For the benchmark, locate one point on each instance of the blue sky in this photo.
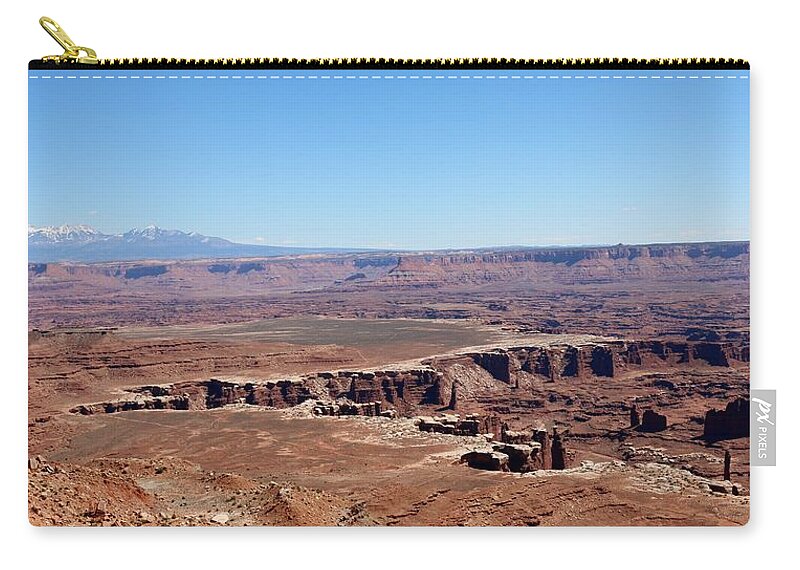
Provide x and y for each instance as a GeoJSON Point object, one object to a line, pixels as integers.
{"type": "Point", "coordinates": [385, 160]}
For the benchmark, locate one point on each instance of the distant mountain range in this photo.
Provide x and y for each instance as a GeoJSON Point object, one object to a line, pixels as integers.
{"type": "Point", "coordinates": [85, 244]}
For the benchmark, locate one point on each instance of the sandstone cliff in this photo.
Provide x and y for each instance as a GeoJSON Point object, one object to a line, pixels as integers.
{"type": "Point", "coordinates": [731, 423]}
{"type": "Point", "coordinates": [728, 260]}
{"type": "Point", "coordinates": [576, 265]}
{"type": "Point", "coordinates": [606, 359]}
{"type": "Point", "coordinates": [405, 389]}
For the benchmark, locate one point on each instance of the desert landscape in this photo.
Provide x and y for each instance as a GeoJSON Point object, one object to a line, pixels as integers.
{"type": "Point", "coordinates": [564, 386]}
{"type": "Point", "coordinates": [402, 297]}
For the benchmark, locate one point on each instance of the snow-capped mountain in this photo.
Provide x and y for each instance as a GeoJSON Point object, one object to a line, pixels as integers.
{"type": "Point", "coordinates": [61, 234]}
{"type": "Point", "coordinates": [150, 233]}
{"type": "Point", "coordinates": [154, 233]}
{"type": "Point", "coordinates": [85, 244]}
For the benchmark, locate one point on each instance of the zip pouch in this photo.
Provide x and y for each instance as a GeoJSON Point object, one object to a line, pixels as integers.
{"type": "Point", "coordinates": [382, 292]}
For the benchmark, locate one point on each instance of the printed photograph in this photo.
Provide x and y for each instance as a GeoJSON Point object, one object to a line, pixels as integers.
{"type": "Point", "coordinates": [397, 297]}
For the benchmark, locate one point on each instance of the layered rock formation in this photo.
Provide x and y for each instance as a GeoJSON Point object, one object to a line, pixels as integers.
{"type": "Point", "coordinates": [206, 394]}
{"type": "Point", "coordinates": [514, 457]}
{"type": "Point", "coordinates": [451, 424]}
{"type": "Point", "coordinates": [541, 437]}
{"type": "Point", "coordinates": [559, 452]}
{"type": "Point", "coordinates": [498, 364]}
{"type": "Point", "coordinates": [730, 423]}
{"type": "Point", "coordinates": [487, 460]}
{"type": "Point", "coordinates": [274, 394]}
{"type": "Point", "coordinates": [726, 474]}
{"type": "Point", "coordinates": [522, 457]}
{"type": "Point", "coordinates": [400, 388]}
{"type": "Point", "coordinates": [603, 359]}
{"type": "Point", "coordinates": [634, 416]}
{"type": "Point", "coordinates": [369, 409]}
{"type": "Point", "coordinates": [646, 290]}
{"type": "Point", "coordinates": [139, 402]}
{"type": "Point", "coordinates": [406, 389]}
{"type": "Point", "coordinates": [569, 265]}
{"type": "Point", "coordinates": [653, 422]}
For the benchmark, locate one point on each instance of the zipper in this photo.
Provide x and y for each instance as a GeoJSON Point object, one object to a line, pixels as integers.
{"type": "Point", "coordinates": [72, 53]}
{"type": "Point", "coordinates": [79, 57]}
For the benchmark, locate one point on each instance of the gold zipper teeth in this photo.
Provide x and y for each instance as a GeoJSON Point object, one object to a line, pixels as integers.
{"type": "Point", "coordinates": [75, 55]}
{"type": "Point", "coordinates": [454, 63]}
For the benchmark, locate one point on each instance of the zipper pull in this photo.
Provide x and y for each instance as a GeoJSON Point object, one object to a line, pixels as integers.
{"type": "Point", "coordinates": [72, 52]}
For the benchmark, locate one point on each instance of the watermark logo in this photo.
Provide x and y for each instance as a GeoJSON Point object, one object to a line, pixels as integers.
{"type": "Point", "coordinates": [762, 427]}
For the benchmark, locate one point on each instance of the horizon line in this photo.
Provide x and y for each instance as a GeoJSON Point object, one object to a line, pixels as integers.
{"type": "Point", "coordinates": [379, 249]}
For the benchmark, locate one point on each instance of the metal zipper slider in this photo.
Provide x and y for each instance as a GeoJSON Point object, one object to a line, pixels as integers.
{"type": "Point", "coordinates": [72, 52]}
